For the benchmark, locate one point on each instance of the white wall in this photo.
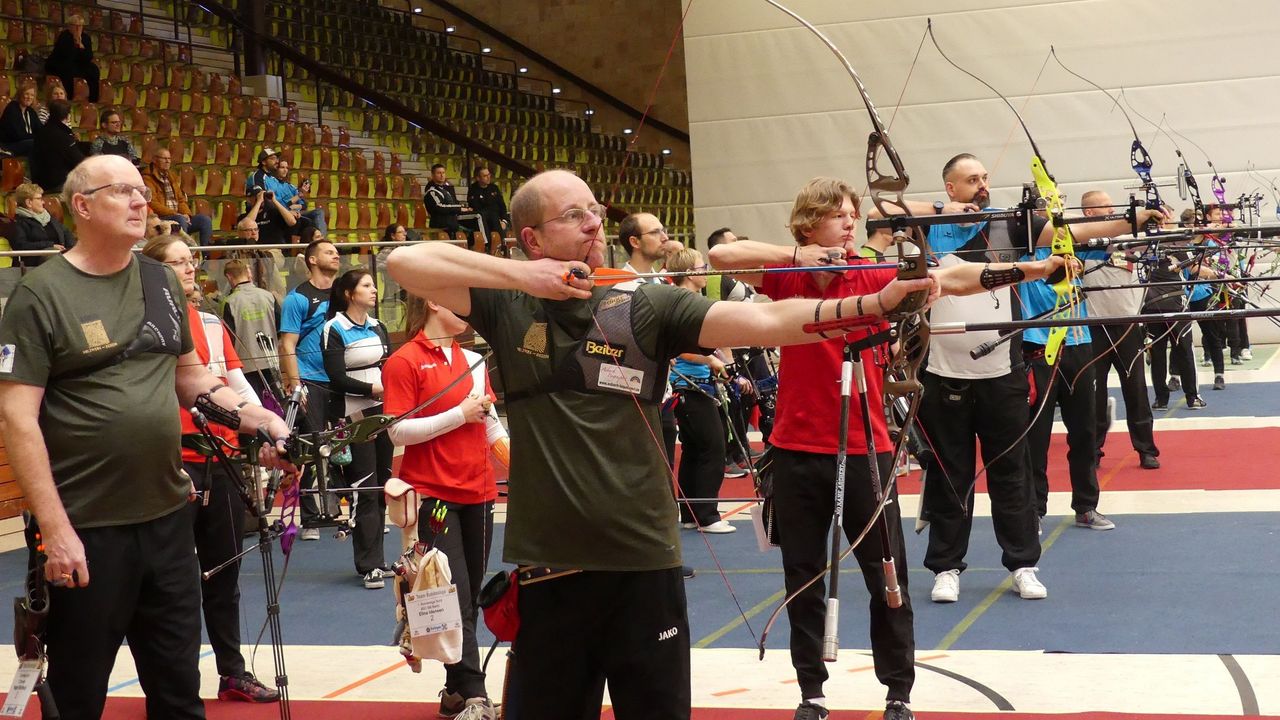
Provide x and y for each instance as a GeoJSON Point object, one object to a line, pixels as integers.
{"type": "Point", "coordinates": [770, 106]}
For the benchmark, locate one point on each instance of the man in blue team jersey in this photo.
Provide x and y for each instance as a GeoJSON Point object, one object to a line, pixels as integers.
{"type": "Point", "coordinates": [301, 319]}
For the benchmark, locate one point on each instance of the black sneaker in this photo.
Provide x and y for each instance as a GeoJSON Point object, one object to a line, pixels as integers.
{"type": "Point", "coordinates": [809, 711]}
{"type": "Point", "coordinates": [1219, 382]}
{"type": "Point", "coordinates": [687, 571]}
{"type": "Point", "coordinates": [245, 688]}
{"type": "Point", "coordinates": [1160, 404]}
{"type": "Point", "coordinates": [451, 703]}
{"type": "Point", "coordinates": [1195, 403]}
{"type": "Point", "coordinates": [897, 710]}
{"type": "Point", "coordinates": [1175, 384]}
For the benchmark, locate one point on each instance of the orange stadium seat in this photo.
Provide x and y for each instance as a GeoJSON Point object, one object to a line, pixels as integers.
{"type": "Point", "coordinates": [214, 183]}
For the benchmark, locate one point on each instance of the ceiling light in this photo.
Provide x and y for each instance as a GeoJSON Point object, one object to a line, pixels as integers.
{"type": "Point", "coordinates": [626, 131]}
{"type": "Point", "coordinates": [450, 29]}
{"type": "Point", "coordinates": [486, 50]}
{"type": "Point", "coordinates": [417, 10]}
{"type": "Point", "coordinates": [666, 151]}
{"type": "Point", "coordinates": [524, 69]}
{"type": "Point", "coordinates": [555, 91]}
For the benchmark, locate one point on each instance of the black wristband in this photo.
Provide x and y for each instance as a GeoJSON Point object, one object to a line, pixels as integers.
{"type": "Point", "coordinates": [817, 313]}
{"type": "Point", "coordinates": [859, 305]}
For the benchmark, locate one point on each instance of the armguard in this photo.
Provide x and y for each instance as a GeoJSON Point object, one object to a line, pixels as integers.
{"type": "Point", "coordinates": [992, 279]}
{"type": "Point", "coordinates": [215, 412]}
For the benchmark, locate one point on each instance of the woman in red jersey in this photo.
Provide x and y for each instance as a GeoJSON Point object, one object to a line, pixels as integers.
{"type": "Point", "coordinates": [447, 457]}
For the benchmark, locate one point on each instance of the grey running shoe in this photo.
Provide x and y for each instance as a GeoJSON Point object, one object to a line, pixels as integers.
{"type": "Point", "coordinates": [1093, 520]}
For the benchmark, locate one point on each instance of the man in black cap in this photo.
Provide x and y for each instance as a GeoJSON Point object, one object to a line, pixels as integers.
{"type": "Point", "coordinates": [275, 221]}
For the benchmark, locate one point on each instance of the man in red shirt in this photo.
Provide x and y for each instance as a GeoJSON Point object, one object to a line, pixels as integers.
{"type": "Point", "coordinates": [805, 435]}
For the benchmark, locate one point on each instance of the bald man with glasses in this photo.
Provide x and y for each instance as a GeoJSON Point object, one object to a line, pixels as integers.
{"type": "Point", "coordinates": [169, 202]}
{"type": "Point", "coordinates": [81, 387]}
{"type": "Point", "coordinates": [583, 367]}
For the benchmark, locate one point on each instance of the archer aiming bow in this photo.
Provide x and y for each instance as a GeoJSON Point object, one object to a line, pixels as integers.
{"type": "Point", "coordinates": [886, 190]}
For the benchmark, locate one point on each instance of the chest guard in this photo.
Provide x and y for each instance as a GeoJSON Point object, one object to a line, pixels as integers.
{"type": "Point", "coordinates": [161, 328]}
{"type": "Point", "coordinates": [608, 360]}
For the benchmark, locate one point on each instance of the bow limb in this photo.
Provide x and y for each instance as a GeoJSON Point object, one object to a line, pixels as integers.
{"type": "Point", "coordinates": [1187, 184]}
{"type": "Point", "coordinates": [1063, 243]}
{"type": "Point", "coordinates": [1139, 158]}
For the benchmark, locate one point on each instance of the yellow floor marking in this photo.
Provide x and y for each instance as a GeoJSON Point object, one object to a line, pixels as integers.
{"type": "Point", "coordinates": [963, 626]}
{"type": "Point", "coordinates": [706, 641]}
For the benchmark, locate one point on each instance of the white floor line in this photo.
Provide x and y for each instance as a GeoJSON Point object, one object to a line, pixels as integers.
{"type": "Point", "coordinates": [1029, 681]}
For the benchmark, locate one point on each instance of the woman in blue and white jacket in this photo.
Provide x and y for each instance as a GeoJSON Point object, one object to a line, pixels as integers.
{"type": "Point", "coordinates": [354, 346]}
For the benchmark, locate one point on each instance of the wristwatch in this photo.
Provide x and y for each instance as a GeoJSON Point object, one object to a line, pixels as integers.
{"type": "Point", "coordinates": [937, 207]}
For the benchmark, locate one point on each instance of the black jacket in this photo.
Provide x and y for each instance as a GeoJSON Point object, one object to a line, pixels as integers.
{"type": "Point", "coordinates": [55, 154]}
{"type": "Point", "coordinates": [489, 203]}
{"type": "Point", "coordinates": [442, 202]}
{"type": "Point", "coordinates": [12, 128]}
{"type": "Point", "coordinates": [66, 58]}
{"type": "Point", "coordinates": [29, 235]}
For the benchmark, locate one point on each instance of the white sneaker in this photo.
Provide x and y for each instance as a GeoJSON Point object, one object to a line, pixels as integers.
{"type": "Point", "coordinates": [309, 534]}
{"type": "Point", "coordinates": [719, 527]}
{"type": "Point", "coordinates": [946, 587]}
{"type": "Point", "coordinates": [1246, 354]}
{"type": "Point", "coordinates": [689, 525]}
{"type": "Point", "coordinates": [477, 708]}
{"type": "Point", "coordinates": [375, 579]}
{"type": "Point", "coordinates": [1027, 585]}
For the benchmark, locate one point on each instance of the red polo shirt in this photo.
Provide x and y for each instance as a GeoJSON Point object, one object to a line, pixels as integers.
{"type": "Point", "coordinates": [808, 414]}
{"type": "Point", "coordinates": [201, 341]}
{"type": "Point", "coordinates": [455, 466]}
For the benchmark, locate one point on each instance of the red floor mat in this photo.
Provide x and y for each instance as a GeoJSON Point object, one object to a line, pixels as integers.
{"type": "Point", "coordinates": [1189, 460]}
{"type": "Point", "coordinates": [132, 708]}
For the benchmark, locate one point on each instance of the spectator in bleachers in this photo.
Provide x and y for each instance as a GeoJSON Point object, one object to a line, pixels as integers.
{"type": "Point", "coordinates": [55, 92]}
{"type": "Point", "coordinates": [19, 123]}
{"type": "Point", "coordinates": [275, 222]}
{"type": "Point", "coordinates": [395, 233]}
{"type": "Point", "coordinates": [486, 198]}
{"type": "Point", "coordinates": [34, 228]}
{"type": "Point", "coordinates": [265, 176]}
{"type": "Point", "coordinates": [72, 58]}
{"type": "Point", "coordinates": [295, 199]}
{"type": "Point", "coordinates": [156, 226]}
{"type": "Point", "coordinates": [276, 225]}
{"type": "Point", "coordinates": [443, 206]}
{"type": "Point", "coordinates": [168, 201]}
{"type": "Point", "coordinates": [55, 151]}
{"type": "Point", "coordinates": [111, 142]}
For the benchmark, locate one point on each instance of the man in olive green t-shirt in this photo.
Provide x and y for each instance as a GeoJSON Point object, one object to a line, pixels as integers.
{"type": "Point", "coordinates": [591, 489]}
{"type": "Point", "coordinates": [94, 448]}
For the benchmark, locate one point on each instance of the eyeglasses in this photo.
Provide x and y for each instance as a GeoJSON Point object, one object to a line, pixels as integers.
{"type": "Point", "coordinates": [181, 263]}
{"type": "Point", "coordinates": [122, 190]}
{"type": "Point", "coordinates": [660, 231]}
{"type": "Point", "coordinates": [576, 216]}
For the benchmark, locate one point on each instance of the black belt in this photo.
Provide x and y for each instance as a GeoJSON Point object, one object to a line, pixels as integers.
{"type": "Point", "coordinates": [529, 574]}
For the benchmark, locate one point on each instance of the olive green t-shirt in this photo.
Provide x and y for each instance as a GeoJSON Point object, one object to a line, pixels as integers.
{"type": "Point", "coordinates": [590, 488]}
{"type": "Point", "coordinates": [113, 435]}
